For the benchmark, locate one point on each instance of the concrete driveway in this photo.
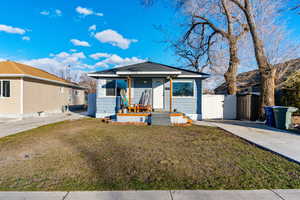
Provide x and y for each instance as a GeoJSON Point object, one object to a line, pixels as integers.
{"type": "Point", "coordinates": [282, 142]}
{"type": "Point", "coordinates": [157, 195]}
{"type": "Point", "coordinates": [13, 126]}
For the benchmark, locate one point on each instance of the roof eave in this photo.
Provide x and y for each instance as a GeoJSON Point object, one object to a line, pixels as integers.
{"type": "Point", "coordinates": [39, 78]}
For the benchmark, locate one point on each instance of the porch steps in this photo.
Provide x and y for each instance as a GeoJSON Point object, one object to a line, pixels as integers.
{"type": "Point", "coordinates": [160, 119]}
{"type": "Point", "coordinates": [189, 121]}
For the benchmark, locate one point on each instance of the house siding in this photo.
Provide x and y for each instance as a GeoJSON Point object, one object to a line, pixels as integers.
{"type": "Point", "coordinates": [11, 106]}
{"type": "Point", "coordinates": [106, 106]}
{"type": "Point", "coordinates": [190, 105]}
{"type": "Point", "coordinates": [140, 85]}
{"type": "Point", "coordinates": [42, 96]}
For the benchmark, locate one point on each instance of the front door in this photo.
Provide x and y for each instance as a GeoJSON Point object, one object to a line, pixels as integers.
{"type": "Point", "coordinates": [158, 93]}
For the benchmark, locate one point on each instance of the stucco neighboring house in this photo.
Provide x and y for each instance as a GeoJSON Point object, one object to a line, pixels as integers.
{"type": "Point", "coordinates": [171, 89]}
{"type": "Point", "coordinates": [27, 91]}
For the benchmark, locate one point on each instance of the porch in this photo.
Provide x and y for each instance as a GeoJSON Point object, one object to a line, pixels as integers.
{"type": "Point", "coordinates": [138, 92]}
{"type": "Point", "coordinates": [151, 118]}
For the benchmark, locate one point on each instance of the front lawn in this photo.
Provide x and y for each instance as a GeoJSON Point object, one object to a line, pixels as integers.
{"type": "Point", "coordinates": [90, 155]}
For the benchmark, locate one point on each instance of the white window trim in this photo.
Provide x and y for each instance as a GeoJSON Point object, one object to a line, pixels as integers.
{"type": "Point", "coordinates": [182, 81]}
{"type": "Point", "coordinates": [1, 94]}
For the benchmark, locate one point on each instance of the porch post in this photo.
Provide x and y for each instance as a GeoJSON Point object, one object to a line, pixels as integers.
{"type": "Point", "coordinates": [129, 89]}
{"type": "Point", "coordinates": [171, 93]}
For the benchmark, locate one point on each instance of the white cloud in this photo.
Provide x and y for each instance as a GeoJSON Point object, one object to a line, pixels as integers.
{"type": "Point", "coordinates": [72, 50]}
{"type": "Point", "coordinates": [58, 12]}
{"type": "Point", "coordinates": [114, 38]}
{"type": "Point", "coordinates": [99, 14]}
{"type": "Point", "coordinates": [52, 13]}
{"type": "Point", "coordinates": [26, 38]}
{"type": "Point", "coordinates": [117, 61]}
{"type": "Point", "coordinates": [93, 27]}
{"type": "Point", "coordinates": [86, 11]}
{"type": "Point", "coordinates": [58, 63]}
{"type": "Point", "coordinates": [45, 12]}
{"type": "Point", "coordinates": [13, 30]}
{"type": "Point", "coordinates": [96, 56]}
{"type": "Point", "coordinates": [76, 42]}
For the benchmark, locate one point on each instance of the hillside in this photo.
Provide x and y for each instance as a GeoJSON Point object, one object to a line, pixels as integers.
{"type": "Point", "coordinates": [250, 81]}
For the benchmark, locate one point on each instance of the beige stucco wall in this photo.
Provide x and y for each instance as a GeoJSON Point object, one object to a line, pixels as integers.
{"type": "Point", "coordinates": [78, 97]}
{"type": "Point", "coordinates": [40, 96]}
{"type": "Point", "coordinates": [11, 106]}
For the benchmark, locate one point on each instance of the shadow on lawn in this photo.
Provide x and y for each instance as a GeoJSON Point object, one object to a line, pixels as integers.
{"type": "Point", "coordinates": [115, 166]}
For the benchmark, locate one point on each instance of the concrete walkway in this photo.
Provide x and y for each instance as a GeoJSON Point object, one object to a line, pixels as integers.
{"type": "Point", "coordinates": [13, 126]}
{"type": "Point", "coordinates": [157, 195]}
{"type": "Point", "coordinates": [281, 142]}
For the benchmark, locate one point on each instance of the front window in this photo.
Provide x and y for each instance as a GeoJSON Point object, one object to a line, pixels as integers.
{"type": "Point", "coordinates": [110, 88]}
{"type": "Point", "coordinates": [183, 89]}
{"type": "Point", "coordinates": [114, 87]}
{"type": "Point", "coordinates": [4, 88]}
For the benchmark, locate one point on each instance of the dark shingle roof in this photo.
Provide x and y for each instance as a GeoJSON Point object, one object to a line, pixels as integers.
{"type": "Point", "coordinates": [150, 67]}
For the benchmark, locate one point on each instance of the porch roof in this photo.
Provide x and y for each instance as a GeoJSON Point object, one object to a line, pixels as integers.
{"type": "Point", "coordinates": [149, 69]}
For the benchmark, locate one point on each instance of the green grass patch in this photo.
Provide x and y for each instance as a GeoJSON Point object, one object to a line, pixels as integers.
{"type": "Point", "coordinates": [89, 155]}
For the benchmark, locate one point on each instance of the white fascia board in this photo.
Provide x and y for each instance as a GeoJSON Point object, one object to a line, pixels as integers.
{"type": "Point", "coordinates": [193, 76]}
{"type": "Point", "coordinates": [148, 72]}
{"type": "Point", "coordinates": [103, 75]}
{"type": "Point", "coordinates": [39, 78]}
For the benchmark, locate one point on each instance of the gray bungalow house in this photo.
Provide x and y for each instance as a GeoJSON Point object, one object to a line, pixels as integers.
{"type": "Point", "coordinates": [171, 89]}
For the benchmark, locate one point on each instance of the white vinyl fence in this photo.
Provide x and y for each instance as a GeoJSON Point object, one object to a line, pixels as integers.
{"type": "Point", "coordinates": [219, 107]}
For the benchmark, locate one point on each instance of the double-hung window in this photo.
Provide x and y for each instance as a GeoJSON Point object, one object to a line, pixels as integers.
{"type": "Point", "coordinates": [114, 87]}
{"type": "Point", "coordinates": [4, 88]}
{"type": "Point", "coordinates": [183, 88]}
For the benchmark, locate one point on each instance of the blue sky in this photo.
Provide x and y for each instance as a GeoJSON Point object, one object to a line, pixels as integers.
{"type": "Point", "coordinates": [47, 28]}
{"type": "Point", "coordinates": [53, 34]}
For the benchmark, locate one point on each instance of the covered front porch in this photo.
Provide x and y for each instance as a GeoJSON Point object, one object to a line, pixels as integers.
{"type": "Point", "coordinates": [144, 94]}
{"type": "Point", "coordinates": [153, 118]}
{"type": "Point", "coordinates": [137, 91]}
{"type": "Point", "coordinates": [146, 100]}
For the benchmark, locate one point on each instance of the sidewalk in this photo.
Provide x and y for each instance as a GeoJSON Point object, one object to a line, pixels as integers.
{"type": "Point", "coordinates": [13, 126]}
{"type": "Point", "coordinates": [282, 142]}
{"type": "Point", "coordinates": [157, 195]}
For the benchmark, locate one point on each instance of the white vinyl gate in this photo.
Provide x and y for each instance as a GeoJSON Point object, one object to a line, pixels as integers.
{"type": "Point", "coordinates": [219, 107]}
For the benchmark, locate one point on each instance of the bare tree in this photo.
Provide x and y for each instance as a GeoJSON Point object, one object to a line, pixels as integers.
{"type": "Point", "coordinates": [251, 15]}
{"type": "Point", "coordinates": [191, 55]}
{"type": "Point", "coordinates": [210, 20]}
{"type": "Point", "coordinates": [266, 69]}
{"type": "Point", "coordinates": [89, 83]}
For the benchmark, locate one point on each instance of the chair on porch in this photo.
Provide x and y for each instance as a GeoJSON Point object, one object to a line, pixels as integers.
{"type": "Point", "coordinates": [144, 104]}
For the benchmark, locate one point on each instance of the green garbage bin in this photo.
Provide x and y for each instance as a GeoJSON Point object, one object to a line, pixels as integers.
{"type": "Point", "coordinates": [283, 117]}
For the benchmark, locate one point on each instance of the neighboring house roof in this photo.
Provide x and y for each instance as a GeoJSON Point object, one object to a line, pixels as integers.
{"type": "Point", "coordinates": [250, 81]}
{"type": "Point", "coordinates": [148, 68]}
{"type": "Point", "coordinates": [13, 69]}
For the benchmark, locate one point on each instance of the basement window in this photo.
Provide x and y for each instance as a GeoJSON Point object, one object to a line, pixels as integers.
{"type": "Point", "coordinates": [4, 88]}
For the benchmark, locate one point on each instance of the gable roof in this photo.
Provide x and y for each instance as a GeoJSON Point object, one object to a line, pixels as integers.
{"type": "Point", "coordinates": [148, 67]}
{"type": "Point", "coordinates": [14, 69]}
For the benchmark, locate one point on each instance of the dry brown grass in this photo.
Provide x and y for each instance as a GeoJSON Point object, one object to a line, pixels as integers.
{"type": "Point", "coordinates": [90, 155]}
